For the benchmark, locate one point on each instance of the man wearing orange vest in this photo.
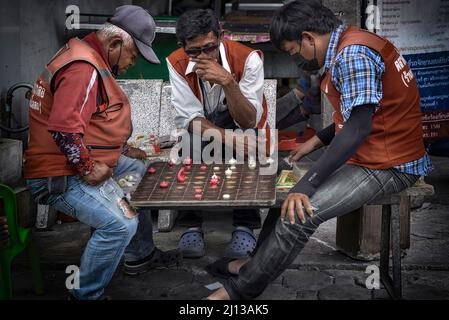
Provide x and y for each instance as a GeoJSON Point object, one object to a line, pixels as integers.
{"type": "Point", "coordinates": [80, 122]}
{"type": "Point", "coordinates": [374, 146]}
{"type": "Point", "coordinates": [216, 84]}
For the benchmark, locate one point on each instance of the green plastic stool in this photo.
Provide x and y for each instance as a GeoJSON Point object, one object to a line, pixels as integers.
{"type": "Point", "coordinates": [19, 241]}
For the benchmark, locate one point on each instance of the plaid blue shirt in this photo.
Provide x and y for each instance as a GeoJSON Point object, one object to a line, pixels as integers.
{"type": "Point", "coordinates": [356, 73]}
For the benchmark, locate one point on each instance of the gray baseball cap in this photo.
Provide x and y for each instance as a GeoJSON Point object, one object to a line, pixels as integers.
{"type": "Point", "coordinates": [140, 25]}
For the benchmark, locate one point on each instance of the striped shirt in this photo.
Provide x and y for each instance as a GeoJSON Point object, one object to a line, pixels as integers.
{"type": "Point", "coordinates": [356, 72]}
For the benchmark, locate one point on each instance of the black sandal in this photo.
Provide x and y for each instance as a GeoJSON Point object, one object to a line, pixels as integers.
{"type": "Point", "coordinates": [220, 269]}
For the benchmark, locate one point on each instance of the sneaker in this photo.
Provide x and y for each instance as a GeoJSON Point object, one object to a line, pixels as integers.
{"type": "Point", "coordinates": [158, 259]}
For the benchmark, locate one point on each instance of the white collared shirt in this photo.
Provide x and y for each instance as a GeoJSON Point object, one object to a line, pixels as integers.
{"type": "Point", "coordinates": [189, 107]}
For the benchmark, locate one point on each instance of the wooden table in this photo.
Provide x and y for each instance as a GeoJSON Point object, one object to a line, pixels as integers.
{"type": "Point", "coordinates": [245, 188]}
{"type": "Point", "coordinates": [168, 212]}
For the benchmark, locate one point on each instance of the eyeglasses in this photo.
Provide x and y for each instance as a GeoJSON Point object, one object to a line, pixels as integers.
{"type": "Point", "coordinates": [193, 53]}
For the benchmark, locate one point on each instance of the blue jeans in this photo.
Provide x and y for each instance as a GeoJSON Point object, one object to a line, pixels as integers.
{"type": "Point", "coordinates": [348, 189]}
{"type": "Point", "coordinates": [114, 235]}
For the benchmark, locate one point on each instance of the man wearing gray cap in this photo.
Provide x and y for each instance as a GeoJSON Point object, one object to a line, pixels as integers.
{"type": "Point", "coordinates": [80, 121]}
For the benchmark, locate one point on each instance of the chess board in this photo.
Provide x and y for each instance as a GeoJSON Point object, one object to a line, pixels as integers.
{"type": "Point", "coordinates": [245, 187]}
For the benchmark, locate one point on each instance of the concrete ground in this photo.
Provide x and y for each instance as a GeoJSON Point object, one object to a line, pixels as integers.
{"type": "Point", "coordinates": [320, 272]}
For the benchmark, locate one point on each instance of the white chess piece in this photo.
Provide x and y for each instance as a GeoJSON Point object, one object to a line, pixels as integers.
{"type": "Point", "coordinates": [252, 165]}
{"type": "Point", "coordinates": [232, 162]}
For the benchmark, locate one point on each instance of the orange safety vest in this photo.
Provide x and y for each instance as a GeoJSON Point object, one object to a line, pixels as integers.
{"type": "Point", "coordinates": [397, 135]}
{"type": "Point", "coordinates": [108, 129]}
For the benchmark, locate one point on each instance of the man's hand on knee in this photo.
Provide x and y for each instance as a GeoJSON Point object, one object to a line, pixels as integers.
{"type": "Point", "coordinates": [296, 202]}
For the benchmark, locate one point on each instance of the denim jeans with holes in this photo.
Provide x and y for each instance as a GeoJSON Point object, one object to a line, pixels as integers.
{"type": "Point", "coordinates": [348, 189]}
{"type": "Point", "coordinates": [115, 234]}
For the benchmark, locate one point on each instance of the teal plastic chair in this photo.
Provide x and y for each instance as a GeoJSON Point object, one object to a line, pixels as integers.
{"type": "Point", "coordinates": [20, 240]}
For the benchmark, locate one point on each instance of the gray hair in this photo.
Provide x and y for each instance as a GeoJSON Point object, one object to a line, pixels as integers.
{"type": "Point", "coordinates": [108, 30]}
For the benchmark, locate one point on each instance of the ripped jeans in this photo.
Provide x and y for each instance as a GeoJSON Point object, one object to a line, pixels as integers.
{"type": "Point", "coordinates": [279, 243]}
{"type": "Point", "coordinates": [114, 235]}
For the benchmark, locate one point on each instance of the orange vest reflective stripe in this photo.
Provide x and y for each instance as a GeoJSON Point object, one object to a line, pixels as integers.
{"type": "Point", "coordinates": [106, 133]}
{"type": "Point", "coordinates": [396, 136]}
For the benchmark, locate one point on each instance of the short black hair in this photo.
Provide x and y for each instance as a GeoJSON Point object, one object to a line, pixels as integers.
{"type": "Point", "coordinates": [291, 20]}
{"type": "Point", "coordinates": [196, 22]}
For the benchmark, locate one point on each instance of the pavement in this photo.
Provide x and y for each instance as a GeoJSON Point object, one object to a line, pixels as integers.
{"type": "Point", "coordinates": [320, 272]}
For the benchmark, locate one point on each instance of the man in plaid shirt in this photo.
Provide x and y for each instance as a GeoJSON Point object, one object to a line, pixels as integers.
{"type": "Point", "coordinates": [374, 145]}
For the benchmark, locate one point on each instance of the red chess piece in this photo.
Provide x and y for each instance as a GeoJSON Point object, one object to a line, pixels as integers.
{"type": "Point", "coordinates": [163, 184]}
{"type": "Point", "coordinates": [198, 196]}
{"type": "Point", "coordinates": [188, 162]}
{"type": "Point", "coordinates": [152, 170]}
{"type": "Point", "coordinates": [214, 181]}
{"type": "Point", "coordinates": [181, 175]}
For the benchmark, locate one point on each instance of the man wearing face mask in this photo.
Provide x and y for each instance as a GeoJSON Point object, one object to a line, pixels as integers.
{"type": "Point", "coordinates": [375, 144]}
{"type": "Point", "coordinates": [301, 102]}
{"type": "Point", "coordinates": [80, 121]}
